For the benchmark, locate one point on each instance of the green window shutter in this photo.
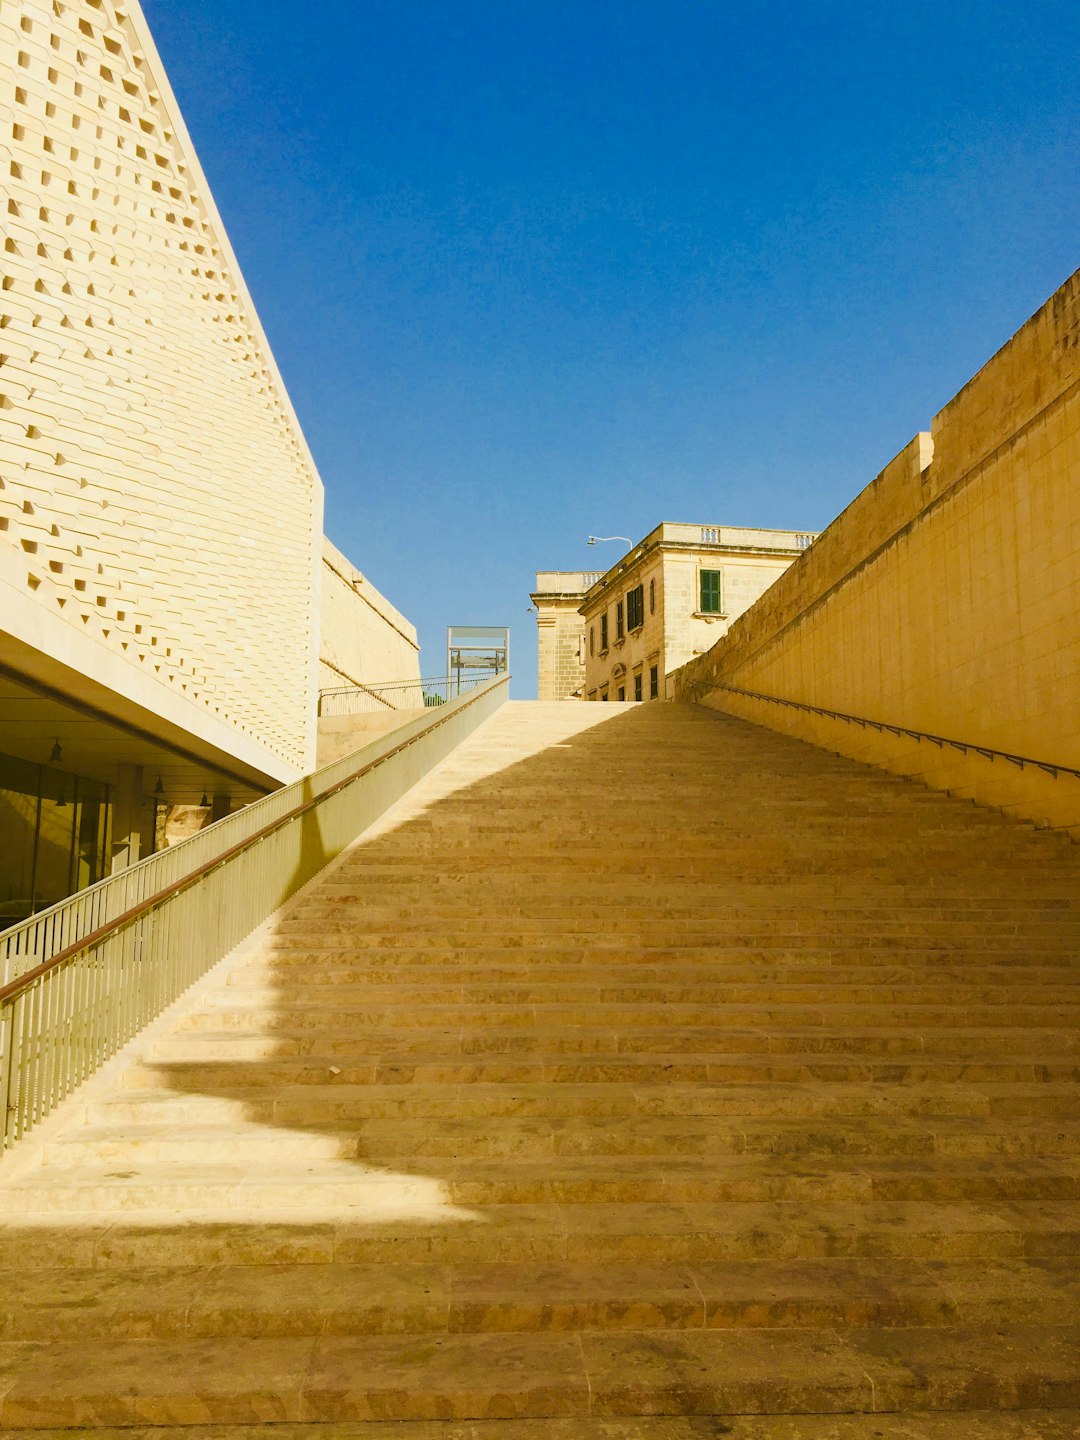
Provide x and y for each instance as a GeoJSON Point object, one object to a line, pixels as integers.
{"type": "Point", "coordinates": [710, 592]}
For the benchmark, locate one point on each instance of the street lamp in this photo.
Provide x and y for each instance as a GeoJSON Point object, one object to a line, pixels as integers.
{"type": "Point", "coordinates": [602, 539]}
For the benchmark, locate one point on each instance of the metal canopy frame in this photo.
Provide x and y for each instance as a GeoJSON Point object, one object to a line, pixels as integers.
{"type": "Point", "coordinates": [472, 648]}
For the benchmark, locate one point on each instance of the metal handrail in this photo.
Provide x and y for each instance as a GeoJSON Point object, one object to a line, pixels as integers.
{"type": "Point", "coordinates": [95, 937]}
{"type": "Point", "coordinates": [426, 692]}
{"type": "Point", "coordinates": [1049, 767]}
{"type": "Point", "coordinates": [68, 1012]}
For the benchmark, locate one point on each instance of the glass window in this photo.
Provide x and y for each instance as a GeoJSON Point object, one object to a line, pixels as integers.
{"type": "Point", "coordinates": [603, 635]}
{"type": "Point", "coordinates": [622, 692]}
{"type": "Point", "coordinates": [710, 592]}
{"type": "Point", "coordinates": [619, 632]}
{"type": "Point", "coordinates": [592, 639]}
{"type": "Point", "coordinates": [652, 597]}
{"type": "Point", "coordinates": [654, 681]}
{"type": "Point", "coordinates": [637, 686]}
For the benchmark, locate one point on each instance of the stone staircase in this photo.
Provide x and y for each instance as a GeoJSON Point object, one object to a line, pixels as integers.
{"type": "Point", "coordinates": [642, 1074]}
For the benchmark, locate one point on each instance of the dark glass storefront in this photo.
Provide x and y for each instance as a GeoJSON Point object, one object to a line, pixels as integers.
{"type": "Point", "coordinates": [54, 836]}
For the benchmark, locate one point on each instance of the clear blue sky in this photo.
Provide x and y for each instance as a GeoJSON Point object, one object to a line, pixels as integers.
{"type": "Point", "coordinates": [539, 268]}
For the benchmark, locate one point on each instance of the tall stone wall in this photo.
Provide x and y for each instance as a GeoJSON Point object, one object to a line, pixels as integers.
{"type": "Point", "coordinates": [946, 597]}
{"type": "Point", "coordinates": [363, 639]}
{"type": "Point", "coordinates": [160, 516]}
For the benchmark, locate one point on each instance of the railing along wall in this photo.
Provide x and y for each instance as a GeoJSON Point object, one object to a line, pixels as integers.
{"type": "Point", "coordinates": [700, 688]}
{"type": "Point", "coordinates": [396, 695]}
{"type": "Point", "coordinates": [78, 980]}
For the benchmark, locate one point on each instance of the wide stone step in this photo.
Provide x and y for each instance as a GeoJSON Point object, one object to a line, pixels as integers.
{"type": "Point", "coordinates": [261, 1018]}
{"type": "Point", "coordinates": [606, 954]}
{"type": "Point", "coordinates": [365, 912]}
{"type": "Point", "coordinates": [424, 1046]}
{"type": "Point", "coordinates": [253, 991]}
{"type": "Point", "coordinates": [382, 1184]}
{"type": "Point", "coordinates": [329, 1104]}
{"type": "Point", "coordinates": [540, 1136]}
{"type": "Point", "coordinates": [540, 935]}
{"type": "Point", "coordinates": [942, 1425]}
{"type": "Point", "coordinates": [335, 1378]}
{"type": "Point", "coordinates": [274, 1070]}
{"type": "Point", "coordinates": [594, 1232]}
{"type": "Point", "coordinates": [373, 1299]}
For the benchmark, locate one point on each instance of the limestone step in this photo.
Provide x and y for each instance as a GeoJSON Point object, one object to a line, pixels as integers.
{"type": "Point", "coordinates": [784, 1005]}
{"type": "Point", "coordinates": [374, 1299]}
{"type": "Point", "coordinates": [1023, 1424]}
{"type": "Point", "coordinates": [769, 1036]}
{"type": "Point", "coordinates": [329, 1104]}
{"type": "Point", "coordinates": [384, 1184]}
{"type": "Point", "coordinates": [540, 1137]}
{"type": "Point", "coordinates": [656, 930]}
{"type": "Point", "coordinates": [607, 954]}
{"type": "Point", "coordinates": [592, 1232]}
{"type": "Point", "coordinates": [335, 1378]}
{"type": "Point", "coordinates": [274, 1070]}
{"type": "Point", "coordinates": [253, 990]}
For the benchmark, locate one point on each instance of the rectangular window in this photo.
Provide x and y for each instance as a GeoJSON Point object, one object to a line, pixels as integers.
{"type": "Point", "coordinates": [710, 592]}
{"type": "Point", "coordinates": [592, 639]}
{"type": "Point", "coordinates": [603, 635]}
{"type": "Point", "coordinates": [603, 696]}
{"type": "Point", "coordinates": [635, 608]}
{"type": "Point", "coordinates": [654, 681]}
{"type": "Point", "coordinates": [622, 692]}
{"type": "Point", "coordinates": [619, 621]}
{"type": "Point", "coordinates": [637, 686]}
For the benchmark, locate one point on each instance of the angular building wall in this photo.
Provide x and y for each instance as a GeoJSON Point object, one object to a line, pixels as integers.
{"type": "Point", "coordinates": [160, 515]}
{"type": "Point", "coordinates": [946, 598]}
{"type": "Point", "coordinates": [363, 640]}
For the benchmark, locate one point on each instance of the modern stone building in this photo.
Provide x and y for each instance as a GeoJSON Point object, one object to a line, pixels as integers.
{"type": "Point", "coordinates": [671, 598]}
{"type": "Point", "coordinates": [166, 600]}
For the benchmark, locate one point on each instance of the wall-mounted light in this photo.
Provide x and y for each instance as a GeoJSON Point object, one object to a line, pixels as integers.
{"type": "Point", "coordinates": [61, 800]}
{"type": "Point", "coordinates": [56, 755]}
{"type": "Point", "coordinates": [159, 788]}
{"type": "Point", "coordinates": [204, 801]}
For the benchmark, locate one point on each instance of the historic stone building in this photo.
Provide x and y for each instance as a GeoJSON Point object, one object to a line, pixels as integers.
{"type": "Point", "coordinates": [560, 631]}
{"type": "Point", "coordinates": [671, 598]}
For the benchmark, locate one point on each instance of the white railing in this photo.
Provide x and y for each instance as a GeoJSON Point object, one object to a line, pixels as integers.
{"type": "Point", "coordinates": [77, 981]}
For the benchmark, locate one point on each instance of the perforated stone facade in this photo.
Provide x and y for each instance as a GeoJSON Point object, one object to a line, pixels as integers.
{"type": "Point", "coordinates": [157, 499]}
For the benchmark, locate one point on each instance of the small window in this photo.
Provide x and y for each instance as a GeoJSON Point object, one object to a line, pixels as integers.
{"type": "Point", "coordinates": [710, 592]}
{"type": "Point", "coordinates": [654, 681]}
{"type": "Point", "coordinates": [622, 692]}
{"type": "Point", "coordinates": [635, 608]}
{"type": "Point", "coordinates": [652, 597]}
{"type": "Point", "coordinates": [592, 639]}
{"type": "Point", "coordinates": [603, 635]}
{"type": "Point", "coordinates": [637, 686]}
{"type": "Point", "coordinates": [604, 696]}
{"type": "Point", "coordinates": [619, 631]}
